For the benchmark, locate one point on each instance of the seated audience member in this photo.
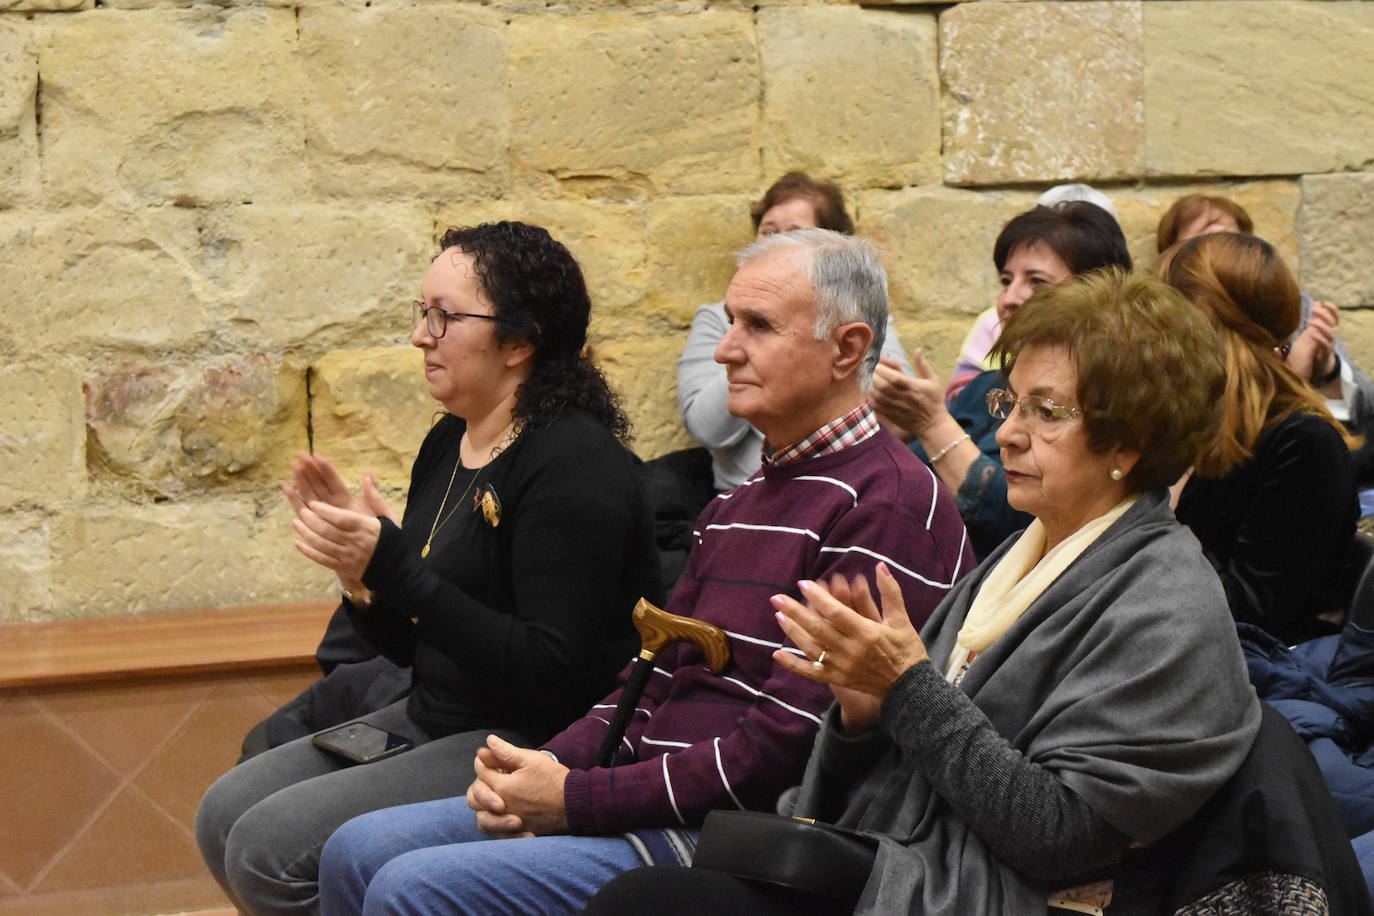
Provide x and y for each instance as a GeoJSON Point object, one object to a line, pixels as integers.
{"type": "Point", "coordinates": [975, 352]}
{"type": "Point", "coordinates": [1198, 214]}
{"type": "Point", "coordinates": [1316, 353]}
{"type": "Point", "coordinates": [1272, 497]}
{"type": "Point", "coordinates": [837, 495]}
{"type": "Point", "coordinates": [1042, 246]}
{"type": "Point", "coordinates": [508, 586]}
{"type": "Point", "coordinates": [1047, 717]}
{"type": "Point", "coordinates": [795, 201]}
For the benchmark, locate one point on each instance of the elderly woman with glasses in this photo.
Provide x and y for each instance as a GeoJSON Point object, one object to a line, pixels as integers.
{"type": "Point", "coordinates": [508, 585]}
{"type": "Point", "coordinates": [1047, 717]}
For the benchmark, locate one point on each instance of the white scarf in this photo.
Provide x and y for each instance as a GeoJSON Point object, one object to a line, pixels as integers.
{"type": "Point", "coordinates": [1024, 571]}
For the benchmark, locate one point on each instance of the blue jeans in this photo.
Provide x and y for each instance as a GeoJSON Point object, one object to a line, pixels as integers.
{"type": "Point", "coordinates": [430, 858]}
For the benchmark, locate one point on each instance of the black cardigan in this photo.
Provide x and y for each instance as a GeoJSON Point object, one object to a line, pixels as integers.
{"type": "Point", "coordinates": [1280, 527]}
{"type": "Point", "coordinates": [523, 624]}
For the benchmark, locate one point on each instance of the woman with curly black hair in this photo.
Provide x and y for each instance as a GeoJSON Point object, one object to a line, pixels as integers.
{"type": "Point", "coordinates": [539, 298]}
{"type": "Point", "coordinates": [508, 585]}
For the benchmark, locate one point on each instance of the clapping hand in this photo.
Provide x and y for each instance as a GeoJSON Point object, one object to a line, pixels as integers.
{"type": "Point", "coordinates": [336, 530]}
{"type": "Point", "coordinates": [1313, 352]}
{"type": "Point", "coordinates": [910, 403]}
{"type": "Point", "coordinates": [863, 647]}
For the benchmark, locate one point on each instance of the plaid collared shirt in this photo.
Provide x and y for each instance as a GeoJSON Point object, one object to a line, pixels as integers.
{"type": "Point", "coordinates": [854, 427]}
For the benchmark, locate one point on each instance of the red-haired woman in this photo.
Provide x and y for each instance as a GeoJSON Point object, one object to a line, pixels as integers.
{"type": "Point", "coordinates": [1272, 498]}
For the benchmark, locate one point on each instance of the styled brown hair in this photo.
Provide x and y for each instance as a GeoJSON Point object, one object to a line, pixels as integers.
{"type": "Point", "coordinates": [1243, 287]}
{"type": "Point", "coordinates": [1188, 208]}
{"type": "Point", "coordinates": [826, 199]}
{"type": "Point", "coordinates": [1149, 367]}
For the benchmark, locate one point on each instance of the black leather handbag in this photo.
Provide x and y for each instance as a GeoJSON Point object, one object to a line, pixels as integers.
{"type": "Point", "coordinates": [797, 853]}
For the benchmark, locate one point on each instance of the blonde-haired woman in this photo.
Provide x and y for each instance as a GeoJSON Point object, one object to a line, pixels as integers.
{"type": "Point", "coordinates": [1272, 497]}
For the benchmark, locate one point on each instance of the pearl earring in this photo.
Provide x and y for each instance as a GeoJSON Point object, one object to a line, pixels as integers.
{"type": "Point", "coordinates": [1116, 474]}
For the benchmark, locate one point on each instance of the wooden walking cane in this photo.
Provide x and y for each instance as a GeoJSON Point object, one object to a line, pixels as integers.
{"type": "Point", "coordinates": [657, 630]}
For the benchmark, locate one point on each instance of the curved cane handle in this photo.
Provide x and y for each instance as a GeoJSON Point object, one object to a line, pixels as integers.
{"type": "Point", "coordinates": [657, 629]}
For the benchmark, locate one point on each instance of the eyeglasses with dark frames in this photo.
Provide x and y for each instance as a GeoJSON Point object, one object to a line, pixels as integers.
{"type": "Point", "coordinates": [436, 319]}
{"type": "Point", "coordinates": [1032, 408]}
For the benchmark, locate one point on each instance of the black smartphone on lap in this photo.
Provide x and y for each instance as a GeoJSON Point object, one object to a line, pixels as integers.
{"type": "Point", "coordinates": [359, 742]}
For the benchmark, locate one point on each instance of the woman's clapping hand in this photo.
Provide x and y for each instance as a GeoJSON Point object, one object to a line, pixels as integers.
{"type": "Point", "coordinates": [911, 403]}
{"type": "Point", "coordinates": [867, 645]}
{"type": "Point", "coordinates": [336, 529]}
{"type": "Point", "coordinates": [1313, 352]}
{"type": "Point", "coordinates": [314, 479]}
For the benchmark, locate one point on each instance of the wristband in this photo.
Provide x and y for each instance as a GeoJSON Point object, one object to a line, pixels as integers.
{"type": "Point", "coordinates": [1331, 376]}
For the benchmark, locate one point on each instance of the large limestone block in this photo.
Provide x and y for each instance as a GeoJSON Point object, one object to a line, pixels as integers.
{"type": "Point", "coordinates": [169, 429]}
{"type": "Point", "coordinates": [620, 187]}
{"type": "Point", "coordinates": [544, 8]}
{"type": "Point", "coordinates": [25, 568]}
{"type": "Point", "coordinates": [937, 247]}
{"type": "Point", "coordinates": [1042, 91]}
{"type": "Point", "coordinates": [1272, 205]}
{"type": "Point", "coordinates": [405, 101]}
{"type": "Point", "coordinates": [577, 7]}
{"type": "Point", "coordinates": [1336, 236]}
{"type": "Point", "coordinates": [1357, 334]}
{"type": "Point", "coordinates": [182, 4]}
{"type": "Point", "coordinates": [606, 236]}
{"type": "Point", "coordinates": [125, 559]}
{"type": "Point", "coordinates": [669, 101]}
{"type": "Point", "coordinates": [1258, 87]}
{"type": "Point", "coordinates": [370, 410]}
{"type": "Point", "coordinates": [18, 126]}
{"type": "Point", "coordinates": [190, 106]}
{"type": "Point", "coordinates": [101, 278]}
{"type": "Point", "coordinates": [851, 95]}
{"type": "Point", "coordinates": [42, 439]}
{"type": "Point", "coordinates": [45, 6]}
{"type": "Point", "coordinates": [644, 371]}
{"type": "Point", "coordinates": [692, 243]}
{"type": "Point", "coordinates": [316, 276]}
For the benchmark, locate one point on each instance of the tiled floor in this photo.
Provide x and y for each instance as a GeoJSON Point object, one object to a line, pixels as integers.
{"type": "Point", "coordinates": [99, 785]}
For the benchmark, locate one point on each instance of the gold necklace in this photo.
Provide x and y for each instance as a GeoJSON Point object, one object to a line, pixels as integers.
{"type": "Point", "coordinates": [438, 523]}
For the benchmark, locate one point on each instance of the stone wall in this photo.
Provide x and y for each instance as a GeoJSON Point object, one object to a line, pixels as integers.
{"type": "Point", "coordinates": [213, 215]}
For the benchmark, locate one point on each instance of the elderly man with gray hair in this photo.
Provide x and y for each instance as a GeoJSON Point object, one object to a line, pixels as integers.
{"type": "Point", "coordinates": [836, 495]}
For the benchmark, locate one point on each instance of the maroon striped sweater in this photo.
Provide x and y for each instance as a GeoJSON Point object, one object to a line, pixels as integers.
{"type": "Point", "coordinates": [699, 741]}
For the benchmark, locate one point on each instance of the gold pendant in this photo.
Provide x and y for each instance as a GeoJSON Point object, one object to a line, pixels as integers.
{"type": "Point", "coordinates": [424, 551]}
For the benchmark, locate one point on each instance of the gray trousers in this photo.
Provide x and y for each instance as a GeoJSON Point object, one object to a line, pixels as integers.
{"type": "Point", "coordinates": [261, 825]}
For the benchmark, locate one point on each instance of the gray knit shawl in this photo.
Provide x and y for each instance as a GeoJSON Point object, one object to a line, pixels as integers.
{"type": "Point", "coordinates": [1124, 678]}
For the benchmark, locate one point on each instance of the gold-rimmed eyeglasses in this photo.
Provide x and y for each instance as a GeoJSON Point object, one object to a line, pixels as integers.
{"type": "Point", "coordinates": [436, 319]}
{"type": "Point", "coordinates": [1033, 409]}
